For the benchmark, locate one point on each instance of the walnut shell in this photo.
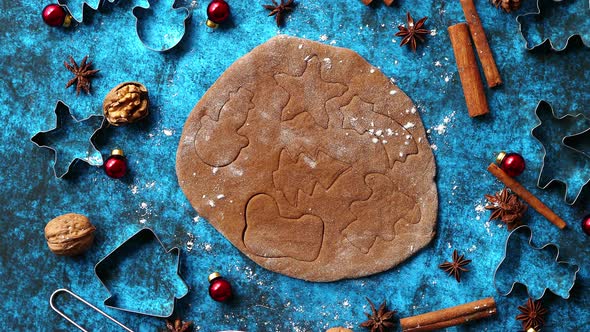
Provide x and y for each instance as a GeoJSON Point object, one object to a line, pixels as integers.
{"type": "Point", "coordinates": [69, 234]}
{"type": "Point", "coordinates": [126, 103]}
{"type": "Point", "coordinates": [339, 329]}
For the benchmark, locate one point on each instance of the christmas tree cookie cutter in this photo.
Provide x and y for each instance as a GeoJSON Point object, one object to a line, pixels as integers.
{"type": "Point", "coordinates": [536, 31]}
{"type": "Point", "coordinates": [68, 129]}
{"type": "Point", "coordinates": [525, 264]}
{"type": "Point", "coordinates": [563, 162]}
{"type": "Point", "coordinates": [141, 276]}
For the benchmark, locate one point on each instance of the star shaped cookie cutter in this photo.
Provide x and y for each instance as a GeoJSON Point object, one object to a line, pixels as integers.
{"type": "Point", "coordinates": [561, 284]}
{"type": "Point", "coordinates": [138, 280]}
{"type": "Point", "coordinates": [62, 131]}
{"type": "Point", "coordinates": [574, 164]}
{"type": "Point", "coordinates": [547, 6]}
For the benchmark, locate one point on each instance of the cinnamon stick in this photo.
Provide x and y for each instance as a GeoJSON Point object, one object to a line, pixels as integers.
{"type": "Point", "coordinates": [451, 316]}
{"type": "Point", "coordinates": [475, 96]}
{"type": "Point", "coordinates": [481, 44]}
{"type": "Point", "coordinates": [526, 196]}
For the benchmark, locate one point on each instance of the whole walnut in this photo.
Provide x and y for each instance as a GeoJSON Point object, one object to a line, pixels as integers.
{"type": "Point", "coordinates": [339, 329]}
{"type": "Point", "coordinates": [69, 234]}
{"type": "Point", "coordinates": [126, 103]}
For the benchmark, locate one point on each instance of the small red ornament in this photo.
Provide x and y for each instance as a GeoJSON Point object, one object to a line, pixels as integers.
{"type": "Point", "coordinates": [55, 15]}
{"type": "Point", "coordinates": [217, 12]}
{"type": "Point", "coordinates": [586, 225]}
{"type": "Point", "coordinates": [116, 164]}
{"type": "Point", "coordinates": [219, 288]}
{"type": "Point", "coordinates": [511, 163]}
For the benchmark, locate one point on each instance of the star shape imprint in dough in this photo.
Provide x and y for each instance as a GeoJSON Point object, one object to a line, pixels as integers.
{"type": "Point", "coordinates": [309, 93]}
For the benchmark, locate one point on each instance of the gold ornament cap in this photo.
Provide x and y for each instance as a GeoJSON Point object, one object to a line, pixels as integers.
{"type": "Point", "coordinates": [67, 21]}
{"type": "Point", "coordinates": [118, 152]}
{"type": "Point", "coordinates": [531, 330]}
{"type": "Point", "coordinates": [211, 24]}
{"type": "Point", "coordinates": [214, 275]}
{"type": "Point", "coordinates": [500, 157]}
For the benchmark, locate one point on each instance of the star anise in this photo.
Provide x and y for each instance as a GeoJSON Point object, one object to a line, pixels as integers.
{"type": "Point", "coordinates": [178, 325]}
{"type": "Point", "coordinates": [507, 207]}
{"type": "Point", "coordinates": [278, 10]}
{"type": "Point", "coordinates": [533, 315]}
{"type": "Point", "coordinates": [456, 267]}
{"type": "Point", "coordinates": [413, 32]}
{"type": "Point", "coordinates": [83, 74]}
{"type": "Point", "coordinates": [379, 320]}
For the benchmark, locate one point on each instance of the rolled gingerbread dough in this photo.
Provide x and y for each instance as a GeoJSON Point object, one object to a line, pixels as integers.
{"type": "Point", "coordinates": [311, 162]}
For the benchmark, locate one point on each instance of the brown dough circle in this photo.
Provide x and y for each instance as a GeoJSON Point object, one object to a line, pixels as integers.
{"type": "Point", "coordinates": [311, 162]}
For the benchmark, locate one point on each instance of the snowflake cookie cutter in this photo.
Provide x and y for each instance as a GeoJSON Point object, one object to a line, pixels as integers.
{"type": "Point", "coordinates": [546, 9]}
{"type": "Point", "coordinates": [572, 168]}
{"type": "Point", "coordinates": [65, 118]}
{"type": "Point", "coordinates": [141, 276]}
{"type": "Point", "coordinates": [519, 266]}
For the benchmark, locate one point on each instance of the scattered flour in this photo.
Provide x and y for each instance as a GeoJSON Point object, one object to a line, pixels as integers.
{"type": "Point", "coordinates": [327, 63]}
{"type": "Point", "coordinates": [409, 125]}
{"type": "Point", "coordinates": [440, 129]}
{"type": "Point", "coordinates": [191, 242]}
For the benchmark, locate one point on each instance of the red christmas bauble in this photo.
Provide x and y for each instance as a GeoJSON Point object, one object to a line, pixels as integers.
{"type": "Point", "coordinates": [219, 288]}
{"type": "Point", "coordinates": [54, 15]}
{"type": "Point", "coordinates": [512, 163]}
{"type": "Point", "coordinates": [116, 164]}
{"type": "Point", "coordinates": [586, 225]}
{"type": "Point", "coordinates": [218, 11]}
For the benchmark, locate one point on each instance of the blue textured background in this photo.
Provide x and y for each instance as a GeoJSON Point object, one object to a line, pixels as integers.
{"type": "Point", "coordinates": [33, 79]}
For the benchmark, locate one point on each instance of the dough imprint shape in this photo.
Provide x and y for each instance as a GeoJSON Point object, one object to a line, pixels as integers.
{"type": "Point", "coordinates": [311, 162]}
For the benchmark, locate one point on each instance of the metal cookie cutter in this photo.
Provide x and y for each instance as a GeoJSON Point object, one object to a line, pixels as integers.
{"type": "Point", "coordinates": [579, 142]}
{"type": "Point", "coordinates": [525, 264]}
{"type": "Point", "coordinates": [150, 29]}
{"type": "Point", "coordinates": [158, 34]}
{"type": "Point", "coordinates": [79, 16]}
{"type": "Point", "coordinates": [68, 130]}
{"type": "Point", "coordinates": [562, 161]}
{"type": "Point", "coordinates": [61, 313]}
{"type": "Point", "coordinates": [142, 277]}
{"type": "Point", "coordinates": [554, 11]}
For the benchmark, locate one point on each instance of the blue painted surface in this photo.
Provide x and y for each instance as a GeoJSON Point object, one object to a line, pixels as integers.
{"type": "Point", "coordinates": [33, 79]}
